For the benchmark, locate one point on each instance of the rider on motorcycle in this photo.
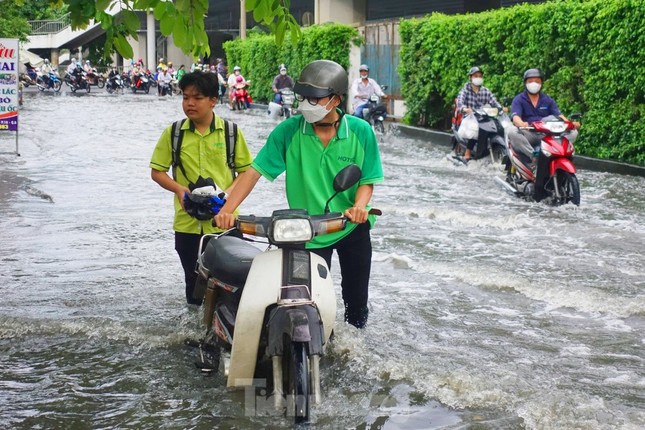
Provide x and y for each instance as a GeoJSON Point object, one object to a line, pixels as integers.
{"type": "Point", "coordinates": [233, 81]}
{"type": "Point", "coordinates": [362, 89]}
{"type": "Point", "coordinates": [46, 69]}
{"type": "Point", "coordinates": [529, 106]}
{"type": "Point", "coordinates": [473, 96]}
{"type": "Point", "coordinates": [77, 74]}
{"type": "Point", "coordinates": [281, 82]}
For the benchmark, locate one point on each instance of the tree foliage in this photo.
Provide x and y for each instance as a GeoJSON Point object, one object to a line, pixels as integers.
{"type": "Point", "coordinates": [263, 56]}
{"type": "Point", "coordinates": [16, 13]}
{"type": "Point", "coordinates": [183, 19]}
{"type": "Point", "coordinates": [591, 52]}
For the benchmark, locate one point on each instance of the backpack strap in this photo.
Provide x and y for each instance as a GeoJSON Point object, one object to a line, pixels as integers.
{"type": "Point", "coordinates": [177, 135]}
{"type": "Point", "coordinates": [230, 134]}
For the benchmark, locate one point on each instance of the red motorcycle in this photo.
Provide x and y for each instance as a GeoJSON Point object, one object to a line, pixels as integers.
{"type": "Point", "coordinates": [240, 98]}
{"type": "Point", "coordinates": [554, 177]}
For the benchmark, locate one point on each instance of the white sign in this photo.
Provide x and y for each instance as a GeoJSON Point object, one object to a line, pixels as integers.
{"type": "Point", "coordinates": [9, 84]}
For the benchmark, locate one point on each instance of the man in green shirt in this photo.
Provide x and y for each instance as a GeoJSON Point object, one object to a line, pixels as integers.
{"type": "Point", "coordinates": [203, 156]}
{"type": "Point", "coordinates": [311, 148]}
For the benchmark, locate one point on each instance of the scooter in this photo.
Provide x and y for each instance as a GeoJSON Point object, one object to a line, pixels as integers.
{"type": "Point", "coordinates": [285, 107]}
{"type": "Point", "coordinates": [52, 82]}
{"type": "Point", "coordinates": [77, 82]}
{"type": "Point", "coordinates": [114, 84]}
{"type": "Point", "coordinates": [375, 112]}
{"type": "Point", "coordinates": [269, 314]}
{"type": "Point", "coordinates": [490, 128]}
{"type": "Point", "coordinates": [241, 99]}
{"type": "Point", "coordinates": [142, 83]}
{"type": "Point", "coordinates": [554, 178]}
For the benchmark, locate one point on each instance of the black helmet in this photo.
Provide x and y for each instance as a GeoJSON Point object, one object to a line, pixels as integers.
{"type": "Point", "coordinates": [533, 73]}
{"type": "Point", "coordinates": [474, 70]}
{"type": "Point", "coordinates": [203, 207]}
{"type": "Point", "coordinates": [321, 78]}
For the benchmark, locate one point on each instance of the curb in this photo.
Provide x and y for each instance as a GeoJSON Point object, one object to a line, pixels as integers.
{"type": "Point", "coordinates": [595, 164]}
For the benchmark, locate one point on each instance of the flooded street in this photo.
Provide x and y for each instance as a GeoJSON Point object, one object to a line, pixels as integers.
{"type": "Point", "coordinates": [487, 311]}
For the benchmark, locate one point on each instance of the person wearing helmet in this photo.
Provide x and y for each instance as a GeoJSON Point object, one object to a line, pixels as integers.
{"type": "Point", "coordinates": [71, 67]}
{"type": "Point", "coordinates": [233, 81]}
{"type": "Point", "coordinates": [163, 80]}
{"type": "Point", "coordinates": [45, 70]}
{"type": "Point", "coordinates": [310, 149]}
{"type": "Point", "coordinates": [362, 89]}
{"type": "Point", "coordinates": [533, 105]}
{"type": "Point", "coordinates": [472, 96]}
{"type": "Point", "coordinates": [161, 64]}
{"type": "Point", "coordinates": [280, 82]}
{"type": "Point", "coordinates": [202, 162]}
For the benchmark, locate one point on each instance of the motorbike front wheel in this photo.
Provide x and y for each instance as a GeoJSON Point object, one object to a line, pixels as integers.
{"type": "Point", "coordinates": [379, 128]}
{"type": "Point", "coordinates": [499, 157]}
{"type": "Point", "coordinates": [297, 381]}
{"type": "Point", "coordinates": [100, 82]}
{"type": "Point", "coordinates": [568, 187]}
{"type": "Point", "coordinates": [241, 105]}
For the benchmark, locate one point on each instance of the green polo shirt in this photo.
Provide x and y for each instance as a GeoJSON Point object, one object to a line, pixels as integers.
{"type": "Point", "coordinates": [310, 167]}
{"type": "Point", "coordinates": [201, 155]}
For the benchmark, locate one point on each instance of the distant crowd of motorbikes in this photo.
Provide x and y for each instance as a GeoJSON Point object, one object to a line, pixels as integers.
{"type": "Point", "coordinates": [80, 79]}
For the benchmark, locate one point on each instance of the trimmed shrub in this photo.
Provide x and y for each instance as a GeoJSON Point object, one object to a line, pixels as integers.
{"type": "Point", "coordinates": [591, 52]}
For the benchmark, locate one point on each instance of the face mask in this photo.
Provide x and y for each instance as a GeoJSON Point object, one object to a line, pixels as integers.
{"type": "Point", "coordinates": [313, 113]}
{"type": "Point", "coordinates": [478, 81]}
{"type": "Point", "coordinates": [283, 72]}
{"type": "Point", "coordinates": [364, 76]}
{"type": "Point", "coordinates": [533, 87]}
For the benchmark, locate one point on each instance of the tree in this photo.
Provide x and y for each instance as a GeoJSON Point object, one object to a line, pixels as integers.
{"type": "Point", "coordinates": [183, 19]}
{"type": "Point", "coordinates": [16, 13]}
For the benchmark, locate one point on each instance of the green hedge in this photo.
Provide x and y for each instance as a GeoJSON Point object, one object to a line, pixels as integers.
{"type": "Point", "coordinates": [259, 56]}
{"type": "Point", "coordinates": [592, 53]}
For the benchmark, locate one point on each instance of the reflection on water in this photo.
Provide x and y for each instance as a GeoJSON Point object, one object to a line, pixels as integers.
{"type": "Point", "coordinates": [486, 311]}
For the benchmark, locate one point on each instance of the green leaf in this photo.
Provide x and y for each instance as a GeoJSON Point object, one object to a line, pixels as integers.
{"type": "Point", "coordinates": [131, 20]}
{"type": "Point", "coordinates": [123, 47]}
{"type": "Point", "coordinates": [166, 24]}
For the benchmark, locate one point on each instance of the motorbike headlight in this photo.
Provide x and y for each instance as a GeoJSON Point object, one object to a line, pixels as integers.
{"type": "Point", "coordinates": [490, 111]}
{"type": "Point", "coordinates": [546, 153]}
{"type": "Point", "coordinates": [291, 230]}
{"type": "Point", "coordinates": [555, 126]}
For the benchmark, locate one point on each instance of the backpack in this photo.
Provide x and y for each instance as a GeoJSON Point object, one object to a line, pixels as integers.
{"type": "Point", "coordinates": [230, 134]}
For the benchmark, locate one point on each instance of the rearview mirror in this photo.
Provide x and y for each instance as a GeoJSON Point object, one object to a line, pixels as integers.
{"type": "Point", "coordinates": [347, 178]}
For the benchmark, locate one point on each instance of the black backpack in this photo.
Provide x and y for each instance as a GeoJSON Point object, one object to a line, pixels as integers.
{"type": "Point", "coordinates": [230, 134]}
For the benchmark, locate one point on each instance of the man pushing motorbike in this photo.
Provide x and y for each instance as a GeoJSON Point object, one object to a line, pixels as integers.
{"type": "Point", "coordinates": [529, 106]}
{"type": "Point", "coordinates": [473, 96]}
{"type": "Point", "coordinates": [311, 148]}
{"type": "Point", "coordinates": [202, 160]}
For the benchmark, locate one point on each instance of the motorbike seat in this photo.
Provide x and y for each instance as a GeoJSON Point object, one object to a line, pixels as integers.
{"type": "Point", "coordinates": [229, 259]}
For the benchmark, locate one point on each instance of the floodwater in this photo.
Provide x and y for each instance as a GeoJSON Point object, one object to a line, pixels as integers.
{"type": "Point", "coordinates": [487, 312]}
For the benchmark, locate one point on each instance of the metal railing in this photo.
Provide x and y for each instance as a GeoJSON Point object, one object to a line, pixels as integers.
{"type": "Point", "coordinates": [51, 26]}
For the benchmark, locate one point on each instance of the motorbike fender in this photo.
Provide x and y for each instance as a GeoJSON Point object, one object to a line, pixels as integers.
{"type": "Point", "coordinates": [301, 324]}
{"type": "Point", "coordinates": [561, 164]}
{"type": "Point", "coordinates": [261, 290]}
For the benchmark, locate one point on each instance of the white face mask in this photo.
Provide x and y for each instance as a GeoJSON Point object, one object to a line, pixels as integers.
{"type": "Point", "coordinates": [533, 87]}
{"type": "Point", "coordinates": [478, 81]}
{"type": "Point", "coordinates": [313, 113]}
{"type": "Point", "coordinates": [283, 72]}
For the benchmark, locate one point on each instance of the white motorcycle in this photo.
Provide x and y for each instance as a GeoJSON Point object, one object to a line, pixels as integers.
{"type": "Point", "coordinates": [269, 314]}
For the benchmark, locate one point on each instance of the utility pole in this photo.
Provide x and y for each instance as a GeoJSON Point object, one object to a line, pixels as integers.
{"type": "Point", "coordinates": [242, 19]}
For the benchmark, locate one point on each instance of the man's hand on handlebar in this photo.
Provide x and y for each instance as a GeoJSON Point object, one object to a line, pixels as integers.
{"type": "Point", "coordinates": [224, 220]}
{"type": "Point", "coordinates": [356, 215]}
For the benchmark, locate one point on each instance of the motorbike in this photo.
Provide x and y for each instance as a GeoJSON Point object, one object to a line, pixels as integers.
{"type": "Point", "coordinates": [268, 314]}
{"type": "Point", "coordinates": [174, 85]}
{"type": "Point", "coordinates": [375, 112]}
{"type": "Point", "coordinates": [285, 108]}
{"type": "Point", "coordinates": [52, 82]}
{"type": "Point", "coordinates": [489, 132]}
{"type": "Point", "coordinates": [30, 75]}
{"type": "Point", "coordinates": [554, 178]}
{"type": "Point", "coordinates": [164, 88]}
{"type": "Point", "coordinates": [94, 78]}
{"type": "Point", "coordinates": [77, 83]}
{"type": "Point", "coordinates": [240, 96]}
{"type": "Point", "coordinates": [114, 84]}
{"type": "Point", "coordinates": [140, 82]}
